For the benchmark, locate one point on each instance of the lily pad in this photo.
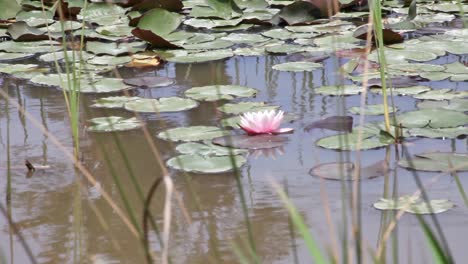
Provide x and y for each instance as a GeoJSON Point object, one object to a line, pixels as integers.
{"type": "Point", "coordinates": [208, 149]}
{"type": "Point", "coordinates": [251, 142]}
{"type": "Point", "coordinates": [118, 30]}
{"type": "Point", "coordinates": [30, 47]}
{"type": "Point", "coordinates": [437, 161]}
{"type": "Point", "coordinates": [204, 164]}
{"type": "Point", "coordinates": [12, 68]}
{"type": "Point", "coordinates": [441, 94]}
{"type": "Point", "coordinates": [244, 107]}
{"type": "Point", "coordinates": [210, 45]}
{"type": "Point", "coordinates": [192, 133]}
{"type": "Point", "coordinates": [149, 81]}
{"type": "Point", "coordinates": [350, 142]}
{"type": "Point", "coordinates": [200, 57]}
{"type": "Point", "coordinates": [460, 105]}
{"type": "Point", "coordinates": [299, 12]}
{"type": "Point", "coordinates": [164, 104]}
{"type": "Point", "coordinates": [245, 38]}
{"type": "Point", "coordinates": [60, 55]}
{"type": "Point", "coordinates": [404, 90]}
{"type": "Point", "coordinates": [456, 68]}
{"type": "Point", "coordinates": [218, 92]}
{"type": "Point", "coordinates": [339, 90]}
{"type": "Point", "coordinates": [4, 56]}
{"type": "Point", "coordinates": [298, 66]}
{"type": "Point", "coordinates": [212, 23]}
{"type": "Point", "coordinates": [113, 101]}
{"type": "Point", "coordinates": [377, 109]}
{"type": "Point", "coordinates": [451, 132]}
{"type": "Point", "coordinates": [336, 123]}
{"type": "Point", "coordinates": [156, 25]}
{"type": "Point", "coordinates": [414, 205]}
{"type": "Point", "coordinates": [20, 31]}
{"type": "Point", "coordinates": [114, 49]}
{"type": "Point", "coordinates": [347, 171]}
{"type": "Point", "coordinates": [113, 123]}
{"type": "Point", "coordinates": [102, 13]}
{"type": "Point", "coordinates": [432, 118]}
{"type": "Point", "coordinates": [109, 60]}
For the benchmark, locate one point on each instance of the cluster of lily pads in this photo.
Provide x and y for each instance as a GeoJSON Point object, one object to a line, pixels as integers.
{"type": "Point", "coordinates": [142, 33]}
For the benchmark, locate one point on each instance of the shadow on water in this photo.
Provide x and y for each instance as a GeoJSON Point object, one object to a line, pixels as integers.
{"type": "Point", "coordinates": [64, 219]}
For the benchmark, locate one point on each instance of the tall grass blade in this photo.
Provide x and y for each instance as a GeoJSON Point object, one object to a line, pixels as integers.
{"type": "Point", "coordinates": [437, 250]}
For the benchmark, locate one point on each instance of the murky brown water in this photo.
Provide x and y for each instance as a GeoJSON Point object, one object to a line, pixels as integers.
{"type": "Point", "coordinates": [64, 219]}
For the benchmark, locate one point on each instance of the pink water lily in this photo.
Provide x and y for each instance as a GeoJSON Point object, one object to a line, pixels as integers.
{"type": "Point", "coordinates": [265, 122]}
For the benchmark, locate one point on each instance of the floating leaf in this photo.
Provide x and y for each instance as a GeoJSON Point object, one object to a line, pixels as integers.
{"type": "Point", "coordinates": [192, 133]}
{"type": "Point", "coordinates": [432, 118]}
{"type": "Point", "coordinates": [298, 66]}
{"type": "Point", "coordinates": [200, 57]}
{"type": "Point", "coordinates": [109, 60]}
{"type": "Point", "coordinates": [244, 38]}
{"type": "Point", "coordinates": [30, 47]}
{"type": "Point", "coordinates": [218, 92]}
{"type": "Point", "coordinates": [208, 149]}
{"type": "Point", "coordinates": [71, 55]}
{"type": "Point", "coordinates": [118, 30]}
{"type": "Point", "coordinates": [12, 68]}
{"type": "Point", "coordinates": [114, 49]}
{"type": "Point", "coordinates": [149, 81]}
{"type": "Point", "coordinates": [14, 56]}
{"type": "Point", "coordinates": [113, 101]}
{"type": "Point", "coordinates": [451, 132]}
{"type": "Point", "coordinates": [347, 171]}
{"type": "Point", "coordinates": [164, 104]}
{"type": "Point", "coordinates": [251, 142]}
{"type": "Point", "coordinates": [414, 205]}
{"type": "Point", "coordinates": [436, 161]}
{"type": "Point", "coordinates": [456, 68]}
{"type": "Point", "coordinates": [212, 23]}
{"type": "Point", "coordinates": [156, 25]}
{"type": "Point", "coordinates": [203, 164]}
{"type": "Point", "coordinates": [377, 109]}
{"type": "Point", "coordinates": [339, 90]}
{"type": "Point", "coordinates": [300, 12]}
{"type": "Point", "coordinates": [350, 141]}
{"type": "Point", "coordinates": [102, 13]}
{"type": "Point", "coordinates": [460, 105]}
{"type": "Point", "coordinates": [210, 45]}
{"type": "Point", "coordinates": [244, 107]}
{"type": "Point", "coordinates": [113, 123]}
{"type": "Point", "coordinates": [405, 90]}
{"type": "Point", "coordinates": [20, 31]}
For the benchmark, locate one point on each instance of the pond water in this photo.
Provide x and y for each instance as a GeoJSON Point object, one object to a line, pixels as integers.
{"type": "Point", "coordinates": [64, 219]}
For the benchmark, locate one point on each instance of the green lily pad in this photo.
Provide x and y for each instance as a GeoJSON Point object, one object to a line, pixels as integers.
{"type": "Point", "coordinates": [192, 133]}
{"type": "Point", "coordinates": [459, 77]}
{"type": "Point", "coordinates": [245, 38]}
{"type": "Point", "coordinates": [456, 68]}
{"type": "Point", "coordinates": [244, 107]}
{"type": "Point", "coordinates": [149, 81]}
{"type": "Point", "coordinates": [339, 90]}
{"type": "Point", "coordinates": [394, 56]}
{"type": "Point", "coordinates": [113, 123]}
{"type": "Point", "coordinates": [404, 90]}
{"type": "Point", "coordinates": [6, 56]}
{"type": "Point", "coordinates": [218, 92]}
{"type": "Point", "coordinates": [20, 31]}
{"type": "Point", "coordinates": [435, 76]}
{"type": "Point", "coordinates": [250, 51]}
{"type": "Point", "coordinates": [414, 205]}
{"type": "Point", "coordinates": [451, 132]}
{"type": "Point", "coordinates": [87, 84]}
{"type": "Point", "coordinates": [240, 27]}
{"type": "Point", "coordinates": [156, 25]}
{"type": "Point", "coordinates": [114, 49]}
{"type": "Point", "coordinates": [212, 23]}
{"type": "Point", "coordinates": [12, 68]}
{"type": "Point", "coordinates": [377, 109]}
{"type": "Point", "coordinates": [104, 85]}
{"type": "Point", "coordinates": [432, 118]}
{"type": "Point", "coordinates": [65, 25]}
{"type": "Point", "coordinates": [60, 55]}
{"type": "Point", "coordinates": [113, 101]}
{"type": "Point", "coordinates": [103, 14]}
{"type": "Point", "coordinates": [350, 142]}
{"type": "Point", "coordinates": [441, 94]}
{"type": "Point", "coordinates": [298, 66]}
{"type": "Point", "coordinates": [460, 105]}
{"type": "Point", "coordinates": [347, 171]}
{"type": "Point", "coordinates": [203, 164]}
{"type": "Point", "coordinates": [436, 161]}
{"type": "Point", "coordinates": [35, 18]}
{"type": "Point", "coordinates": [299, 12]}
{"type": "Point", "coordinates": [211, 45]}
{"type": "Point", "coordinates": [109, 60]}
{"type": "Point", "coordinates": [9, 9]}
{"type": "Point", "coordinates": [417, 67]}
{"type": "Point", "coordinates": [286, 48]}
{"type": "Point", "coordinates": [164, 104]}
{"type": "Point", "coordinates": [447, 7]}
{"type": "Point", "coordinates": [30, 47]}
{"type": "Point", "coordinates": [119, 30]}
{"type": "Point", "coordinates": [200, 57]}
{"type": "Point", "coordinates": [251, 142]}
{"type": "Point", "coordinates": [208, 149]}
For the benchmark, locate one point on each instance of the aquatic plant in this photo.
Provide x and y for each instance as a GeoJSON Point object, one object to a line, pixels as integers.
{"type": "Point", "coordinates": [264, 122]}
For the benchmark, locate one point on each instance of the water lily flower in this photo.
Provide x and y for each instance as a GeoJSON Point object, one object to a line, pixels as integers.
{"type": "Point", "coordinates": [264, 122]}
